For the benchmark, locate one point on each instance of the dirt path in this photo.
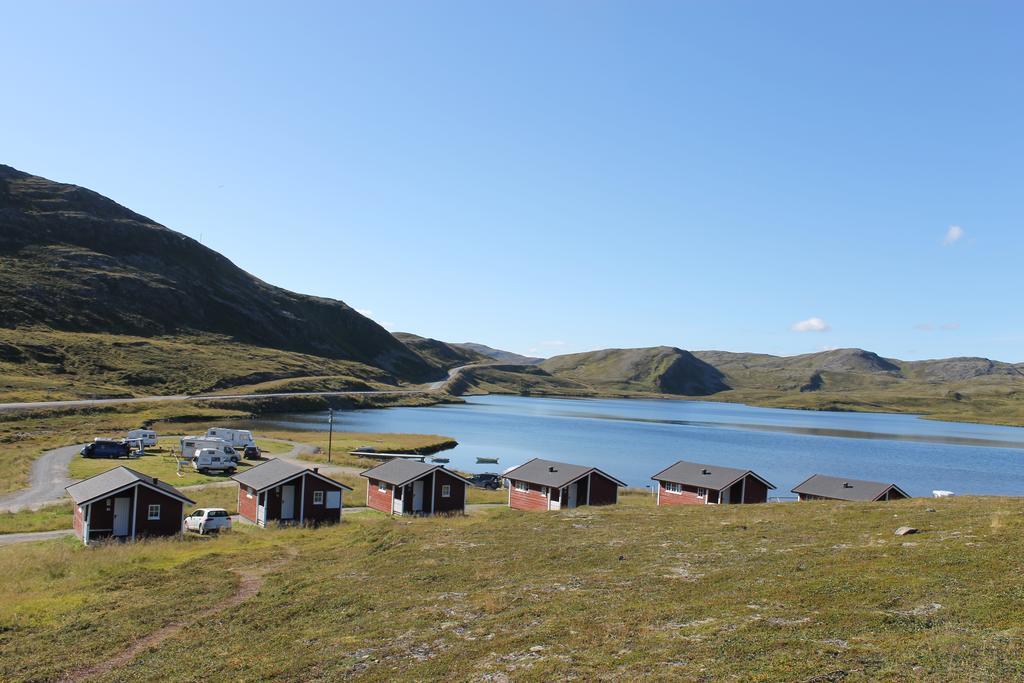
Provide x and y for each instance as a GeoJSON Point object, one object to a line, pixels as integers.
{"type": "Point", "coordinates": [250, 580]}
{"type": "Point", "coordinates": [47, 480]}
{"type": "Point", "coordinates": [30, 536]}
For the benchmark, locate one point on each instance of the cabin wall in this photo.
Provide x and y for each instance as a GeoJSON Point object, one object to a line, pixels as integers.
{"type": "Point", "coordinates": [378, 500]}
{"type": "Point", "coordinates": [455, 502]}
{"type": "Point", "coordinates": [756, 491]}
{"type": "Point", "coordinates": [171, 513]}
{"type": "Point", "coordinates": [101, 523]}
{"type": "Point", "coordinates": [687, 497]}
{"type": "Point", "coordinates": [77, 521]}
{"type": "Point", "coordinates": [532, 499]}
{"type": "Point", "coordinates": [248, 502]}
{"type": "Point", "coordinates": [320, 514]}
{"type": "Point", "coordinates": [603, 491]}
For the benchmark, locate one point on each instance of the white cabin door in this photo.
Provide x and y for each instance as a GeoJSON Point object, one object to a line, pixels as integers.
{"type": "Point", "coordinates": [122, 516]}
{"type": "Point", "coordinates": [417, 496]}
{"type": "Point", "coordinates": [572, 495]}
{"type": "Point", "coordinates": [725, 497]}
{"type": "Point", "coordinates": [261, 509]}
{"type": "Point", "coordinates": [554, 499]}
{"type": "Point", "coordinates": [288, 501]}
{"type": "Point", "coordinates": [396, 502]}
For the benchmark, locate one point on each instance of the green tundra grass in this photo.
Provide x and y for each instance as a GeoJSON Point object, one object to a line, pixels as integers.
{"type": "Point", "coordinates": [794, 592]}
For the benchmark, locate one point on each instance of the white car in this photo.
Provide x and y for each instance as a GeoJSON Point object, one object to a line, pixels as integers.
{"type": "Point", "coordinates": [212, 460]}
{"type": "Point", "coordinates": [205, 520]}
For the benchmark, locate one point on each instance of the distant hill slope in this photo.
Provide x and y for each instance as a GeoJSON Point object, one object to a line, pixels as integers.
{"type": "Point", "coordinates": [440, 353]}
{"type": "Point", "coordinates": [506, 357]}
{"type": "Point", "coordinates": [74, 261]}
{"type": "Point", "coordinates": [663, 369]}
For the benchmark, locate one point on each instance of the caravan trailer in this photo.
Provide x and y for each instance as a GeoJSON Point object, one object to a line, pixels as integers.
{"type": "Point", "coordinates": [146, 436]}
{"type": "Point", "coordinates": [191, 445]}
{"type": "Point", "coordinates": [239, 438]}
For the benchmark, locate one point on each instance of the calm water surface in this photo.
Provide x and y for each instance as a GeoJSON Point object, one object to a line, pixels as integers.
{"type": "Point", "coordinates": [633, 439]}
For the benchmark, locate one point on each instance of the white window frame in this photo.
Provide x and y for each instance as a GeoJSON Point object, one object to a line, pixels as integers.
{"type": "Point", "coordinates": [522, 486]}
{"type": "Point", "coordinates": [248, 492]}
{"type": "Point", "coordinates": [149, 512]}
{"type": "Point", "coordinates": [446, 490]}
{"type": "Point", "coordinates": [673, 487]}
{"type": "Point", "coordinates": [382, 487]}
{"type": "Point", "coordinates": [318, 497]}
{"type": "Point", "coordinates": [702, 493]}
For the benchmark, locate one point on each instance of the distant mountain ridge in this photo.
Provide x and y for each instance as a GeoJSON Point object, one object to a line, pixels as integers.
{"type": "Point", "coordinates": [76, 261]}
{"type": "Point", "coordinates": [497, 354]}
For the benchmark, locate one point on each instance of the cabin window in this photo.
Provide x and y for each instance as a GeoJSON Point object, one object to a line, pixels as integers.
{"type": "Point", "coordinates": [672, 487]}
{"type": "Point", "coordinates": [153, 512]}
{"type": "Point", "coordinates": [522, 486]}
{"type": "Point", "coordinates": [248, 492]}
{"type": "Point", "coordinates": [446, 490]}
{"type": "Point", "coordinates": [382, 487]}
{"type": "Point", "coordinates": [318, 497]}
{"type": "Point", "coordinates": [702, 493]}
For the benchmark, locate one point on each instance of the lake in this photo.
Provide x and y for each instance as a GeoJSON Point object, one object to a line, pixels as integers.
{"type": "Point", "coordinates": [635, 438]}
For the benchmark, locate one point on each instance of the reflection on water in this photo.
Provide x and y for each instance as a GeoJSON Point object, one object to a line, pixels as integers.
{"type": "Point", "coordinates": [633, 439]}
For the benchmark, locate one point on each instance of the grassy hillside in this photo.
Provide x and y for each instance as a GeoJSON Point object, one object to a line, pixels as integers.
{"type": "Point", "coordinates": [439, 353]}
{"type": "Point", "coordinates": [38, 364]}
{"type": "Point", "coordinates": [796, 592]}
{"type": "Point", "coordinates": [964, 389]}
{"type": "Point", "coordinates": [74, 261]}
{"type": "Point", "coordinates": [505, 357]}
{"type": "Point", "coordinates": [661, 369]}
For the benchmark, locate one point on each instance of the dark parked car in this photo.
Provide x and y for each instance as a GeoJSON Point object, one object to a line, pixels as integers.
{"type": "Point", "coordinates": [252, 453]}
{"type": "Point", "coordinates": [106, 449]}
{"type": "Point", "coordinates": [487, 480]}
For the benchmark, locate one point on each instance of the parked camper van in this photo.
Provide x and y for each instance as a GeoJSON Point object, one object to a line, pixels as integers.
{"type": "Point", "coordinates": [212, 460]}
{"type": "Point", "coordinates": [190, 445]}
{"type": "Point", "coordinates": [106, 448]}
{"type": "Point", "coordinates": [146, 436]}
{"type": "Point", "coordinates": [239, 438]}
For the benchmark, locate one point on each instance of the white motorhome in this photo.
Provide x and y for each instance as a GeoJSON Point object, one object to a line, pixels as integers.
{"type": "Point", "coordinates": [146, 436]}
{"type": "Point", "coordinates": [212, 460]}
{"type": "Point", "coordinates": [190, 445]}
{"type": "Point", "coordinates": [239, 438]}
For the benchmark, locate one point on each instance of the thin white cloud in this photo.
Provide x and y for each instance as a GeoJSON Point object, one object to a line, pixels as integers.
{"type": "Point", "coordinates": [953, 235]}
{"type": "Point", "coordinates": [811, 325]}
{"type": "Point", "coordinates": [928, 327]}
{"type": "Point", "coordinates": [387, 325]}
{"type": "Point", "coordinates": [554, 342]}
{"type": "Point", "coordinates": [364, 311]}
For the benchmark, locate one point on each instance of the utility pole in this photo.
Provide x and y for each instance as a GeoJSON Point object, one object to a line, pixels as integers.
{"type": "Point", "coordinates": [330, 433]}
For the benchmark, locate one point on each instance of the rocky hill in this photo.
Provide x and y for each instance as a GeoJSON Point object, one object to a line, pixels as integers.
{"type": "Point", "coordinates": [74, 261]}
{"type": "Point", "coordinates": [662, 369]}
{"type": "Point", "coordinates": [506, 357]}
{"type": "Point", "coordinates": [441, 354]}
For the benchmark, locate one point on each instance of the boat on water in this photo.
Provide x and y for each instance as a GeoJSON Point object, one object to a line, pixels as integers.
{"type": "Point", "coordinates": [492, 461]}
{"type": "Point", "coordinates": [440, 460]}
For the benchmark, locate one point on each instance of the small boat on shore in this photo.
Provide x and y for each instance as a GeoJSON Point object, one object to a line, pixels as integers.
{"type": "Point", "coordinates": [489, 461]}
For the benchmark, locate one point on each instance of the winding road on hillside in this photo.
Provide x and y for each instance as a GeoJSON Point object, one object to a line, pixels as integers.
{"type": "Point", "coordinates": [51, 405]}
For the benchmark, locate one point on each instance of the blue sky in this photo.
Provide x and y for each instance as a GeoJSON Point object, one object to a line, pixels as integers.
{"type": "Point", "coordinates": [561, 176]}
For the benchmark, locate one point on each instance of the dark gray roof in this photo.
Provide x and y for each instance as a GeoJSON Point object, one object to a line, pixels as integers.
{"type": "Point", "coordinates": [401, 471]}
{"type": "Point", "coordinates": [706, 476]}
{"type": "Point", "coordinates": [273, 472]}
{"type": "Point", "coordinates": [553, 474]}
{"type": "Point", "coordinates": [841, 488]}
{"type": "Point", "coordinates": [114, 480]}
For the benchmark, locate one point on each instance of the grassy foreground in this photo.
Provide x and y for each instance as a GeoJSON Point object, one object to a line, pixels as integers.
{"type": "Point", "coordinates": [813, 591]}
